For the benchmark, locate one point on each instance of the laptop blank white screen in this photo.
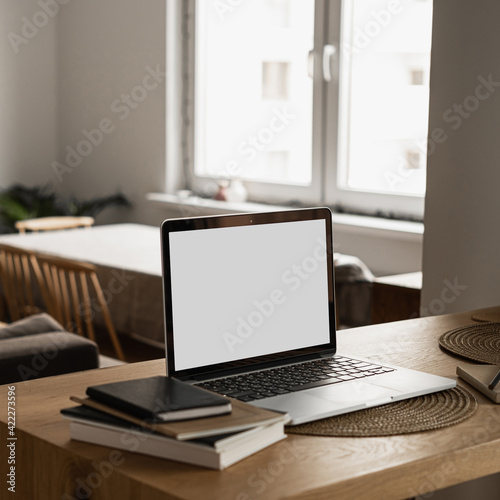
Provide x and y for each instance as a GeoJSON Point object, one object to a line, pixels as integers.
{"type": "Point", "coordinates": [247, 291]}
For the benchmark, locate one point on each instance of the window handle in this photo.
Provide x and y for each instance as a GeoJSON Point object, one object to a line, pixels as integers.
{"type": "Point", "coordinates": [310, 64]}
{"type": "Point", "coordinates": [329, 53]}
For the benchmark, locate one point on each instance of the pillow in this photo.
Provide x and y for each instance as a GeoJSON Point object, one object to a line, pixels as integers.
{"type": "Point", "coordinates": [31, 325]}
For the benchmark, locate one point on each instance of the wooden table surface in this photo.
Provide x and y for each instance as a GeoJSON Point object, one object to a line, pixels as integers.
{"type": "Point", "coordinates": [50, 465]}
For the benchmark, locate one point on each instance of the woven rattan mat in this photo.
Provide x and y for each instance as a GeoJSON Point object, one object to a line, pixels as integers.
{"type": "Point", "coordinates": [422, 413]}
{"type": "Point", "coordinates": [478, 342]}
{"type": "Point", "coordinates": [492, 317]}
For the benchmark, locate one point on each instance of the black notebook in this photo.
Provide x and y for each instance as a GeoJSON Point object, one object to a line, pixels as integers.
{"type": "Point", "coordinates": [160, 399]}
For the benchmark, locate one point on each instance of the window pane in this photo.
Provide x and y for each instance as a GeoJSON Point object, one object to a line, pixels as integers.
{"type": "Point", "coordinates": [385, 95]}
{"type": "Point", "coordinates": [253, 93]}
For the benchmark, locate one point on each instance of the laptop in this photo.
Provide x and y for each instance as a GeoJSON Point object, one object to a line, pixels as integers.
{"type": "Point", "coordinates": [250, 312]}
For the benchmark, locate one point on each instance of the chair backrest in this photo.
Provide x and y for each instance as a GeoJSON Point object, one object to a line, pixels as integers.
{"type": "Point", "coordinates": [53, 223]}
{"type": "Point", "coordinates": [74, 295]}
{"type": "Point", "coordinates": [17, 274]}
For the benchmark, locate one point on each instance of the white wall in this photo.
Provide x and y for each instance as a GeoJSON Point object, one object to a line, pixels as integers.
{"type": "Point", "coordinates": [107, 50]}
{"type": "Point", "coordinates": [28, 93]}
{"type": "Point", "coordinates": [462, 212]}
{"type": "Point", "coordinates": [81, 60]}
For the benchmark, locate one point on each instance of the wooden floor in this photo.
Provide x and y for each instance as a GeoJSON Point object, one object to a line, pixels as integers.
{"type": "Point", "coordinates": [133, 349]}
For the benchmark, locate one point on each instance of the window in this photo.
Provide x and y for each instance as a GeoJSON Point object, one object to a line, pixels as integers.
{"type": "Point", "coordinates": [383, 111]}
{"type": "Point", "coordinates": [321, 102]}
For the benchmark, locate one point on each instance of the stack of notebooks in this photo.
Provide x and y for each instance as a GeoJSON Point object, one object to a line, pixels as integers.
{"type": "Point", "coordinates": [167, 418]}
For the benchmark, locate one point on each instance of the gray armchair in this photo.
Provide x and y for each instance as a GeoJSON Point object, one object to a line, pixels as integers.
{"type": "Point", "coordinates": [38, 346]}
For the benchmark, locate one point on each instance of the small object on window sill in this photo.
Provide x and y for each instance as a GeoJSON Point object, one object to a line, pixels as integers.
{"type": "Point", "coordinates": [236, 191]}
{"type": "Point", "coordinates": [221, 194]}
{"type": "Point", "coordinates": [184, 193]}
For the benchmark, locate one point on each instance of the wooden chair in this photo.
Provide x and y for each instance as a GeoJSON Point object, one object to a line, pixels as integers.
{"type": "Point", "coordinates": [18, 277]}
{"type": "Point", "coordinates": [74, 296]}
{"type": "Point", "coordinates": [53, 223]}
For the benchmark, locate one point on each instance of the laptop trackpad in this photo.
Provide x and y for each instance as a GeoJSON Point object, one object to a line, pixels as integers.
{"type": "Point", "coordinates": [328, 400]}
{"type": "Point", "coordinates": [354, 392]}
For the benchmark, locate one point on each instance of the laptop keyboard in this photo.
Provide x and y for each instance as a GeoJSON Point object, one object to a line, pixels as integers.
{"type": "Point", "coordinates": [292, 378]}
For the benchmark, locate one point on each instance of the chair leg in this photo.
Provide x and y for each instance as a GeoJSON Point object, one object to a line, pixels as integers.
{"type": "Point", "coordinates": [87, 311]}
{"type": "Point", "coordinates": [112, 333]}
{"type": "Point", "coordinates": [107, 318]}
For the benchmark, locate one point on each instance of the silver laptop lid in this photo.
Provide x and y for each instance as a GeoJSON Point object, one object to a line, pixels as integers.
{"type": "Point", "coordinates": [243, 292]}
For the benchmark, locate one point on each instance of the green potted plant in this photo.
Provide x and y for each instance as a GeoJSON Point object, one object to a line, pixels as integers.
{"type": "Point", "coordinates": [19, 202]}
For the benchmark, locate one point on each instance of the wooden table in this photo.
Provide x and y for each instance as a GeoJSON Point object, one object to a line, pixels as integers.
{"type": "Point", "coordinates": [50, 465]}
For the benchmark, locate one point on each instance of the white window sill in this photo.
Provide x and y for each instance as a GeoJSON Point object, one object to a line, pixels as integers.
{"type": "Point", "coordinates": [347, 223]}
{"type": "Point", "coordinates": [209, 205]}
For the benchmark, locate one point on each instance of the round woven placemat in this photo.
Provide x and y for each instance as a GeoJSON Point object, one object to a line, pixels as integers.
{"type": "Point", "coordinates": [491, 317]}
{"type": "Point", "coordinates": [478, 342]}
{"type": "Point", "coordinates": [423, 413]}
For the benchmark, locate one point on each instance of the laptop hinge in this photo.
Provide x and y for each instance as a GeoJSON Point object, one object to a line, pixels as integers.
{"type": "Point", "coordinates": [328, 354]}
